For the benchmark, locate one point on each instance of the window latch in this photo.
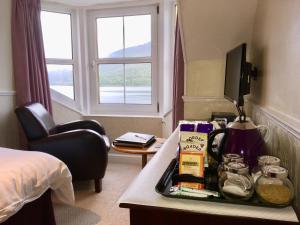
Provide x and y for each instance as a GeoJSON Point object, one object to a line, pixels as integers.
{"type": "Point", "coordinates": [93, 65]}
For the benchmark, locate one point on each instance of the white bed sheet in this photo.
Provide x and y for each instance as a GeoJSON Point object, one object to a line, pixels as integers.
{"type": "Point", "coordinates": [26, 175]}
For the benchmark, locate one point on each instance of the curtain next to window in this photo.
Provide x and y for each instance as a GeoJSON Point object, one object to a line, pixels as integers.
{"type": "Point", "coordinates": [178, 79]}
{"type": "Point", "coordinates": [29, 64]}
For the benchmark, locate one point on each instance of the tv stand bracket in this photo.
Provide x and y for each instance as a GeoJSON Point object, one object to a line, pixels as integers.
{"type": "Point", "coordinates": [251, 71]}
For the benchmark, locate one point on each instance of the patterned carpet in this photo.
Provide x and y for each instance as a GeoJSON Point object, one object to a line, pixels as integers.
{"type": "Point", "coordinates": [99, 209]}
{"type": "Point", "coordinates": [69, 215]}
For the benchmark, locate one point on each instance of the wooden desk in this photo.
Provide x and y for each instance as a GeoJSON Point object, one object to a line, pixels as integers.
{"type": "Point", "coordinates": [148, 207]}
{"type": "Point", "coordinates": [152, 149]}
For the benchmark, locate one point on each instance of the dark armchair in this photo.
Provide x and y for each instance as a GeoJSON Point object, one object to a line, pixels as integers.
{"type": "Point", "coordinates": [81, 145]}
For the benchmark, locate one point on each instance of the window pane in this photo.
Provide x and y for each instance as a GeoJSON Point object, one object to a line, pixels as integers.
{"type": "Point", "coordinates": [138, 83]}
{"type": "Point", "coordinates": [61, 79]}
{"type": "Point", "coordinates": [111, 83]}
{"type": "Point", "coordinates": [137, 36]}
{"type": "Point", "coordinates": [110, 37]}
{"type": "Point", "coordinates": [57, 36]}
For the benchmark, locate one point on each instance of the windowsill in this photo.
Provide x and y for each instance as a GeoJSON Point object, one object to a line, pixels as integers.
{"type": "Point", "coordinates": [157, 116]}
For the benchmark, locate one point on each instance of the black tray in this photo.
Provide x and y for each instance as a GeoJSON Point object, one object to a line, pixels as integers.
{"type": "Point", "coordinates": [165, 182]}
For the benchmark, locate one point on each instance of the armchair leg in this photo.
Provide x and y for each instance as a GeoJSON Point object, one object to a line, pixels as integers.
{"type": "Point", "coordinates": [98, 185]}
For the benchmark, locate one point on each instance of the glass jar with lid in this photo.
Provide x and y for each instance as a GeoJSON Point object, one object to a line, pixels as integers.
{"type": "Point", "coordinates": [273, 186]}
{"type": "Point", "coordinates": [264, 160]}
{"type": "Point", "coordinates": [227, 158]}
{"type": "Point", "coordinates": [231, 157]}
{"type": "Point", "coordinates": [235, 183]}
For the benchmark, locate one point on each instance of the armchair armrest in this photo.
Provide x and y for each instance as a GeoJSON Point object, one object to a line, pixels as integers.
{"type": "Point", "coordinates": [79, 124]}
{"type": "Point", "coordinates": [83, 151]}
{"type": "Point", "coordinates": [70, 141]}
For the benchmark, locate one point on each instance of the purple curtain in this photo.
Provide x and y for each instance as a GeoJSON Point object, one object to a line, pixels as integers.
{"type": "Point", "coordinates": [178, 79]}
{"type": "Point", "coordinates": [29, 65]}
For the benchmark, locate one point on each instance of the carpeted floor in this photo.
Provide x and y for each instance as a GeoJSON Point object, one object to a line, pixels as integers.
{"type": "Point", "coordinates": [99, 209]}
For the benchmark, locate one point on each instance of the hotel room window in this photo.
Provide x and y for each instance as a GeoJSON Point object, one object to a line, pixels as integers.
{"type": "Point", "coordinates": [57, 37]}
{"type": "Point", "coordinates": [123, 54]}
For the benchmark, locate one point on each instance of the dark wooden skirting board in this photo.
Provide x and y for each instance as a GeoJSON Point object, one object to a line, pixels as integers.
{"type": "Point", "coordinates": [149, 215]}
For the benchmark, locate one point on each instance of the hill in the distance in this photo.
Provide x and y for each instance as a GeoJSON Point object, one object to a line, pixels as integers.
{"type": "Point", "coordinates": [136, 51]}
{"type": "Point", "coordinates": [112, 74]}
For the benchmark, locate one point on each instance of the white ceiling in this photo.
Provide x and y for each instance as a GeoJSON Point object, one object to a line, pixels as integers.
{"type": "Point", "coordinates": [212, 27]}
{"type": "Point", "coordinates": [85, 2]}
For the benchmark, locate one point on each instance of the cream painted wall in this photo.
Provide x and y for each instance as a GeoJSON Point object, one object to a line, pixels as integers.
{"type": "Point", "coordinates": [205, 78]}
{"type": "Point", "coordinates": [63, 114]}
{"type": "Point", "coordinates": [8, 123]}
{"type": "Point", "coordinates": [9, 136]}
{"type": "Point", "coordinates": [200, 108]}
{"type": "Point", "coordinates": [6, 83]}
{"type": "Point", "coordinates": [210, 29]}
{"type": "Point", "coordinates": [116, 126]}
{"type": "Point", "coordinates": [167, 123]}
{"type": "Point", "coordinates": [276, 51]}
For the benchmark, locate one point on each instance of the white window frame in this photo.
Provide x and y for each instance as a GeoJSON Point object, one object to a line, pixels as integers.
{"type": "Point", "coordinates": [114, 108]}
{"type": "Point", "coordinates": [55, 95]}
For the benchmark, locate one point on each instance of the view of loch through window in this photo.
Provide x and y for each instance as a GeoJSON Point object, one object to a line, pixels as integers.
{"type": "Point", "coordinates": [125, 83]}
{"type": "Point", "coordinates": [138, 83]}
{"type": "Point", "coordinates": [57, 37]}
{"type": "Point", "coordinates": [61, 79]}
{"type": "Point", "coordinates": [125, 59]}
{"type": "Point", "coordinates": [111, 79]}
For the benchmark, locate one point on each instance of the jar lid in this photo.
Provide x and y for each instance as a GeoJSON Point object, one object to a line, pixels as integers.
{"type": "Point", "coordinates": [231, 157]}
{"type": "Point", "coordinates": [275, 171]}
{"type": "Point", "coordinates": [236, 167]}
{"type": "Point", "coordinates": [265, 160]}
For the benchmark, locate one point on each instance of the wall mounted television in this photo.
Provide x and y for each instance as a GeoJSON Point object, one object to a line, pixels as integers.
{"type": "Point", "coordinates": [238, 75]}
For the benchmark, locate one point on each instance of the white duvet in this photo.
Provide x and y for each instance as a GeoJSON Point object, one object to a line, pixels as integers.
{"type": "Point", "coordinates": [26, 175]}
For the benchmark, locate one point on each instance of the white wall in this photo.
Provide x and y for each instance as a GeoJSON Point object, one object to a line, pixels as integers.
{"type": "Point", "coordinates": [6, 83]}
{"type": "Point", "coordinates": [210, 29]}
{"type": "Point", "coordinates": [63, 114]}
{"type": "Point", "coordinates": [8, 123]}
{"type": "Point", "coordinates": [276, 51]}
{"type": "Point", "coordinates": [276, 93]}
{"type": "Point", "coordinates": [114, 125]}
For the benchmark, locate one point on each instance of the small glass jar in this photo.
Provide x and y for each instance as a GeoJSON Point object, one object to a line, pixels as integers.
{"type": "Point", "coordinates": [230, 157]}
{"type": "Point", "coordinates": [227, 158]}
{"type": "Point", "coordinates": [273, 186]}
{"type": "Point", "coordinates": [264, 160]}
{"type": "Point", "coordinates": [235, 183]}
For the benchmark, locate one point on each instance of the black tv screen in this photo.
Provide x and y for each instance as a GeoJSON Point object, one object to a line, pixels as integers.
{"type": "Point", "coordinates": [234, 87]}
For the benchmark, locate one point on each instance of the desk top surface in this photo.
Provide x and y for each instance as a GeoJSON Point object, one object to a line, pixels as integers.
{"type": "Point", "coordinates": [142, 193]}
{"type": "Point", "coordinates": [152, 149]}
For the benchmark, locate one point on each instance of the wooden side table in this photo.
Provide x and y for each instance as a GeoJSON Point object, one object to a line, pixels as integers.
{"type": "Point", "coordinates": [152, 149]}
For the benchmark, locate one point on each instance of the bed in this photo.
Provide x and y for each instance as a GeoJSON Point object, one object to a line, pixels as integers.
{"type": "Point", "coordinates": [28, 181]}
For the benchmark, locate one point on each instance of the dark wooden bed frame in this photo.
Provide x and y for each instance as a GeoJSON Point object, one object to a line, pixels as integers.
{"type": "Point", "coordinates": [38, 212]}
